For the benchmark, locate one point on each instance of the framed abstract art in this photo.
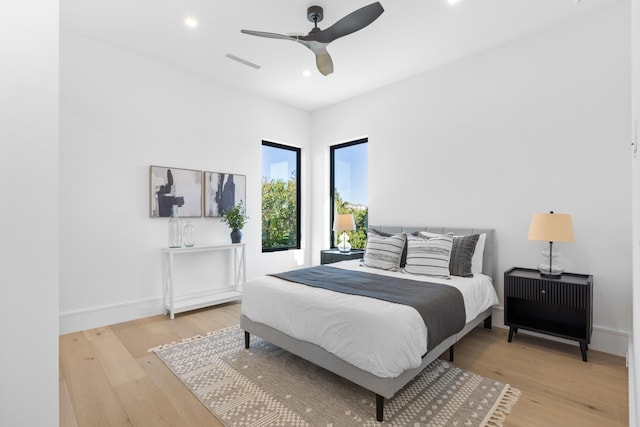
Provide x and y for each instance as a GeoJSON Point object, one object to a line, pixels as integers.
{"type": "Point", "coordinates": [174, 186]}
{"type": "Point", "coordinates": [223, 190]}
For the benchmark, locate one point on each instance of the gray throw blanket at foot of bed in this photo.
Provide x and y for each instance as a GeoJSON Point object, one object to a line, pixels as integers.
{"type": "Point", "coordinates": [441, 306]}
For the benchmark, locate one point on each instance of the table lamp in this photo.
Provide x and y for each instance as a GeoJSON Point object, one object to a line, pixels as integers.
{"type": "Point", "coordinates": [344, 222]}
{"type": "Point", "coordinates": [551, 227]}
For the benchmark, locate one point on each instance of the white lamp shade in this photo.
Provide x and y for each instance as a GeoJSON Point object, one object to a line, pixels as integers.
{"type": "Point", "coordinates": [551, 227]}
{"type": "Point", "coordinates": [344, 222]}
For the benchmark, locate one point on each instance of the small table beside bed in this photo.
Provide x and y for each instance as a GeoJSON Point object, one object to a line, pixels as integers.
{"type": "Point", "coordinates": [362, 319]}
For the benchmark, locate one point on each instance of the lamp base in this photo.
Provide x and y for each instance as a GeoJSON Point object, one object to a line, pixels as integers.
{"type": "Point", "coordinates": [551, 273]}
{"type": "Point", "coordinates": [550, 276]}
{"type": "Point", "coordinates": [344, 245]}
{"type": "Point", "coordinates": [550, 267]}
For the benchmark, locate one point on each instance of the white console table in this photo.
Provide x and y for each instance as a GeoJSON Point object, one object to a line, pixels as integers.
{"type": "Point", "coordinates": [173, 304]}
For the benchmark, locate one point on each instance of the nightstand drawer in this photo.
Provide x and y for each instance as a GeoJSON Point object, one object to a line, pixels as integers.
{"type": "Point", "coordinates": [548, 291]}
{"type": "Point", "coordinates": [330, 258]}
{"type": "Point", "coordinates": [331, 255]}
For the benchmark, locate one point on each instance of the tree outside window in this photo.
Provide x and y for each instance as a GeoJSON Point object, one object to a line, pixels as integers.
{"type": "Point", "coordinates": [349, 188]}
{"type": "Point", "coordinates": [280, 197]}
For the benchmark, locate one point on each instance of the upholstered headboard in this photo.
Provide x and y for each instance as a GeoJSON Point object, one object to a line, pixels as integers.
{"type": "Point", "coordinates": [489, 256]}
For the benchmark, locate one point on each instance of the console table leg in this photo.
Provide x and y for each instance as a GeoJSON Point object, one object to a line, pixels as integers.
{"type": "Point", "coordinates": [247, 338]}
{"type": "Point", "coordinates": [511, 328]}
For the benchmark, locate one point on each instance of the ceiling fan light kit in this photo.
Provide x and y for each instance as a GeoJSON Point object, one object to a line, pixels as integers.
{"type": "Point", "coordinates": [318, 39]}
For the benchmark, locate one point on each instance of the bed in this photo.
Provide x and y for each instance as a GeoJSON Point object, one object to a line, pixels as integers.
{"type": "Point", "coordinates": [351, 335]}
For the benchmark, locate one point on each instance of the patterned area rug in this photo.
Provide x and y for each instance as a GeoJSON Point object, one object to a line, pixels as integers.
{"type": "Point", "coordinates": [266, 386]}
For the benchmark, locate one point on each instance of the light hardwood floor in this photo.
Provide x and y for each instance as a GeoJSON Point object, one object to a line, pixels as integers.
{"type": "Point", "coordinates": [108, 378]}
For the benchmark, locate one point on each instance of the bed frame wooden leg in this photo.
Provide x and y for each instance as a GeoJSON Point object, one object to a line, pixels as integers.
{"type": "Point", "coordinates": [247, 338]}
{"type": "Point", "coordinates": [451, 354]}
{"type": "Point", "coordinates": [487, 323]}
{"type": "Point", "coordinates": [379, 408]}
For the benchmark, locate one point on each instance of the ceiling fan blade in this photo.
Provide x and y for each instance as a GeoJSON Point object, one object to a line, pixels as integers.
{"type": "Point", "coordinates": [269, 35]}
{"type": "Point", "coordinates": [323, 61]}
{"type": "Point", "coordinates": [351, 23]}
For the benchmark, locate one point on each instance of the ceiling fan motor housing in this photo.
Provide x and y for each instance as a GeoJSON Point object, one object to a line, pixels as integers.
{"type": "Point", "coordinates": [315, 14]}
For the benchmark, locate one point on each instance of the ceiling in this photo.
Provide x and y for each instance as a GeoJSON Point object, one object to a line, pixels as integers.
{"type": "Point", "coordinates": [410, 37]}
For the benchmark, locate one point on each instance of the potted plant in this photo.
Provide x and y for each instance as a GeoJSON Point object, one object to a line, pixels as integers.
{"type": "Point", "coordinates": [235, 217]}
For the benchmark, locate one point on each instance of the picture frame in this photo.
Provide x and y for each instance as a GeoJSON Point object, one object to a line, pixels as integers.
{"type": "Point", "coordinates": [223, 190]}
{"type": "Point", "coordinates": [170, 186]}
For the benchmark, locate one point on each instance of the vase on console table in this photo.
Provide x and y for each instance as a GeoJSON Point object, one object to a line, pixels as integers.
{"type": "Point", "coordinates": [189, 235]}
{"type": "Point", "coordinates": [236, 235]}
{"type": "Point", "coordinates": [175, 228]}
{"type": "Point", "coordinates": [235, 217]}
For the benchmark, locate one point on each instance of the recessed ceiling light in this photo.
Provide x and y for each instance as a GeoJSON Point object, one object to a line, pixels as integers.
{"type": "Point", "coordinates": [190, 22]}
{"type": "Point", "coordinates": [306, 73]}
{"type": "Point", "coordinates": [453, 1]}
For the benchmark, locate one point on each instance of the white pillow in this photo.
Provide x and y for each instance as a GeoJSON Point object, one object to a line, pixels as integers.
{"type": "Point", "coordinates": [430, 235]}
{"type": "Point", "coordinates": [429, 255]}
{"type": "Point", "coordinates": [478, 254]}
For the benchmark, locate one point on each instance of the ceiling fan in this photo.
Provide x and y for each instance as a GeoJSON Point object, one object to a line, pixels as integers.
{"type": "Point", "coordinates": [317, 39]}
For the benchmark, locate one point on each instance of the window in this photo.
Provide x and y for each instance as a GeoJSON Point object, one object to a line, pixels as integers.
{"type": "Point", "coordinates": [280, 197]}
{"type": "Point", "coordinates": [349, 189]}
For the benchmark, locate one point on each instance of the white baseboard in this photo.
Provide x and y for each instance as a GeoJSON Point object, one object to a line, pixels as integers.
{"type": "Point", "coordinates": [95, 317]}
{"type": "Point", "coordinates": [602, 339]}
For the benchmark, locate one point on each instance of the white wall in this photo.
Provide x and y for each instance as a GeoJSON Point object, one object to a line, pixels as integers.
{"type": "Point", "coordinates": [538, 124]}
{"type": "Point", "coordinates": [121, 113]}
{"type": "Point", "coordinates": [634, 354]}
{"type": "Point", "coordinates": [29, 249]}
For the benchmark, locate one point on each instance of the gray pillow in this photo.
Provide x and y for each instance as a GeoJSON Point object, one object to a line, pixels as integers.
{"type": "Point", "coordinates": [403, 257]}
{"type": "Point", "coordinates": [384, 252]}
{"type": "Point", "coordinates": [462, 254]}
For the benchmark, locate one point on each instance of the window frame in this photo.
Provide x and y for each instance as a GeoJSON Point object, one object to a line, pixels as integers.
{"type": "Point", "coordinates": [332, 186]}
{"type": "Point", "coordinates": [298, 153]}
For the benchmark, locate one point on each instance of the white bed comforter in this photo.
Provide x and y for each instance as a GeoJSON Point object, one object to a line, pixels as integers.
{"type": "Point", "coordinates": [379, 337]}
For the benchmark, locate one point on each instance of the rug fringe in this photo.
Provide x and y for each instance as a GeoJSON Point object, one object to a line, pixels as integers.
{"type": "Point", "coordinates": [191, 339]}
{"type": "Point", "coordinates": [498, 414]}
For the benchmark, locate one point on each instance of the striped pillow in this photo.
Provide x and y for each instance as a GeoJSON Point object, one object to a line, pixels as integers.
{"type": "Point", "coordinates": [384, 252]}
{"type": "Point", "coordinates": [403, 259]}
{"type": "Point", "coordinates": [466, 253]}
{"type": "Point", "coordinates": [429, 255]}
